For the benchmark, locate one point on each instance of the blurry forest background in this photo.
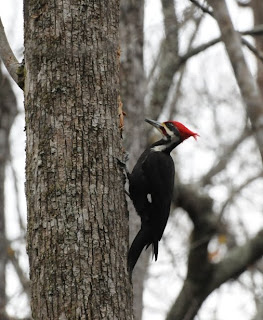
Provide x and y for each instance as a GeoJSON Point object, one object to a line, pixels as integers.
{"type": "Point", "coordinates": [173, 67]}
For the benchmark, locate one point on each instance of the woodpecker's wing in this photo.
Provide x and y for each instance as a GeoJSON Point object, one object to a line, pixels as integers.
{"type": "Point", "coordinates": [158, 169]}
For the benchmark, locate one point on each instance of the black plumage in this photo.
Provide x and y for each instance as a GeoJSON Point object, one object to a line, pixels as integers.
{"type": "Point", "coordinates": [151, 184]}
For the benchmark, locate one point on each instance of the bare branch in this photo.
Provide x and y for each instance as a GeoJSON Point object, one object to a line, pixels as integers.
{"type": "Point", "coordinates": [256, 31]}
{"type": "Point", "coordinates": [203, 277]}
{"type": "Point", "coordinates": [236, 191]}
{"type": "Point", "coordinates": [247, 84]}
{"type": "Point", "coordinates": [223, 159]}
{"type": "Point", "coordinates": [172, 105]}
{"type": "Point", "coordinates": [197, 50]}
{"type": "Point", "coordinates": [20, 273]}
{"type": "Point", "coordinates": [15, 69]}
{"type": "Point", "coordinates": [237, 260]}
{"type": "Point", "coordinates": [17, 194]}
{"type": "Point", "coordinates": [254, 50]}
{"type": "Point", "coordinates": [202, 7]}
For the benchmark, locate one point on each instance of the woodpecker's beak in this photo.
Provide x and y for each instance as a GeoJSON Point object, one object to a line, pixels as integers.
{"type": "Point", "coordinates": [156, 124]}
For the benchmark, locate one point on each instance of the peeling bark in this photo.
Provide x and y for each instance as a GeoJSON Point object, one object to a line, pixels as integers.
{"type": "Point", "coordinates": [77, 214]}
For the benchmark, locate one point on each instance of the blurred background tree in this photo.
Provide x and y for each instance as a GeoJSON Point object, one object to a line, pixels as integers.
{"type": "Point", "coordinates": [175, 66]}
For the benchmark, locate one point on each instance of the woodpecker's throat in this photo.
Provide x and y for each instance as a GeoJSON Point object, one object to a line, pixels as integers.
{"type": "Point", "coordinates": [167, 144]}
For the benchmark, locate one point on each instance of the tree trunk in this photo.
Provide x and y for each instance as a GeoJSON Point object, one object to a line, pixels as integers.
{"type": "Point", "coordinates": [133, 88]}
{"type": "Point", "coordinates": [77, 213]}
{"type": "Point", "coordinates": [248, 86]}
{"type": "Point", "coordinates": [257, 6]}
{"type": "Point", "coordinates": [168, 64]}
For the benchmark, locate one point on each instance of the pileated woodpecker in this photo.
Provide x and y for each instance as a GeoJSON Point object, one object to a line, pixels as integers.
{"type": "Point", "coordinates": [151, 186]}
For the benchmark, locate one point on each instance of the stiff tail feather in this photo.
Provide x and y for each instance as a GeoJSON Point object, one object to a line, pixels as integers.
{"type": "Point", "coordinates": [155, 248]}
{"type": "Point", "coordinates": [141, 240]}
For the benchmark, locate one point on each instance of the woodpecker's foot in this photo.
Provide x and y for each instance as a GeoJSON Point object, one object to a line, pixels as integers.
{"type": "Point", "coordinates": [122, 162]}
{"type": "Point", "coordinates": [126, 157]}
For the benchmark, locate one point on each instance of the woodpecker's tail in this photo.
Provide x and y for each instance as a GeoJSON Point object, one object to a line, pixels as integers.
{"type": "Point", "coordinates": [155, 249]}
{"type": "Point", "coordinates": [142, 239]}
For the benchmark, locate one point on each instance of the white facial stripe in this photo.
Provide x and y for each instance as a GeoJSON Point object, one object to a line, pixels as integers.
{"type": "Point", "coordinates": [162, 147]}
{"type": "Point", "coordinates": [168, 130]}
{"type": "Point", "coordinates": [159, 148]}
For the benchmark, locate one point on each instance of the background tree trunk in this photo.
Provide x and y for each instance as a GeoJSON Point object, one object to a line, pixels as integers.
{"type": "Point", "coordinates": [257, 6]}
{"type": "Point", "coordinates": [248, 86]}
{"type": "Point", "coordinates": [77, 214]}
{"type": "Point", "coordinates": [133, 88]}
{"type": "Point", "coordinates": [8, 111]}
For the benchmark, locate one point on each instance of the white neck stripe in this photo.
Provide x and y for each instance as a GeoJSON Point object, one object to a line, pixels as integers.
{"type": "Point", "coordinates": [159, 148]}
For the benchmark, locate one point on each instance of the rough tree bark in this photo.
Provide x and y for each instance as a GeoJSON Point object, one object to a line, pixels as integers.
{"type": "Point", "coordinates": [77, 214]}
{"type": "Point", "coordinates": [8, 111]}
{"type": "Point", "coordinates": [133, 89]}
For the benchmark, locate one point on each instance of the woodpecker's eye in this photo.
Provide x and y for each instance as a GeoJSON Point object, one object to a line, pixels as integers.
{"type": "Point", "coordinates": [172, 128]}
{"type": "Point", "coordinates": [169, 125]}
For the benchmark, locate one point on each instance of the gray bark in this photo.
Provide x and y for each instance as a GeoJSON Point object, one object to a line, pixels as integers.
{"type": "Point", "coordinates": [77, 214]}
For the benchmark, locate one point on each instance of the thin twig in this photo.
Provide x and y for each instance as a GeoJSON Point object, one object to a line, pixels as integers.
{"type": "Point", "coordinates": [17, 194]}
{"type": "Point", "coordinates": [176, 94]}
{"type": "Point", "coordinates": [20, 273]}
{"type": "Point", "coordinates": [256, 31]}
{"type": "Point", "coordinates": [198, 50]}
{"type": "Point", "coordinates": [203, 8]}
{"type": "Point", "coordinates": [224, 158]}
{"type": "Point", "coordinates": [253, 49]}
{"type": "Point", "coordinates": [236, 192]}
